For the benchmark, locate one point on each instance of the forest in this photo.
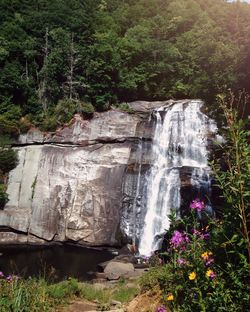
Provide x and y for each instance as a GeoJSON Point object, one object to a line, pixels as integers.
{"type": "Point", "coordinates": [59, 57]}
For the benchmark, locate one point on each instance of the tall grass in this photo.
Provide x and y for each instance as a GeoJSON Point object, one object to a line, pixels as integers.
{"type": "Point", "coordinates": [30, 295]}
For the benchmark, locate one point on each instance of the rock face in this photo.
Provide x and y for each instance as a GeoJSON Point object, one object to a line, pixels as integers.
{"type": "Point", "coordinates": [76, 184]}
{"type": "Point", "coordinates": [68, 185]}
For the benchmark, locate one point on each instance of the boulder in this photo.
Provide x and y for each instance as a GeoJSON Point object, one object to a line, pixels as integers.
{"type": "Point", "coordinates": [114, 270]}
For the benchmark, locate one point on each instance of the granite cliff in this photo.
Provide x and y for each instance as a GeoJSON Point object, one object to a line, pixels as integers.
{"type": "Point", "coordinates": [78, 184]}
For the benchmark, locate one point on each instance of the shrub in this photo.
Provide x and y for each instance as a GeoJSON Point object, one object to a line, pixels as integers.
{"type": "Point", "coordinates": [49, 123]}
{"type": "Point", "coordinates": [13, 113]}
{"type": "Point", "coordinates": [24, 124]}
{"type": "Point", "coordinates": [8, 126]}
{"type": "Point", "coordinates": [3, 196]}
{"type": "Point", "coordinates": [125, 108]}
{"type": "Point", "coordinates": [65, 110]}
{"type": "Point", "coordinates": [86, 109]}
{"type": "Point", "coordinates": [8, 159]}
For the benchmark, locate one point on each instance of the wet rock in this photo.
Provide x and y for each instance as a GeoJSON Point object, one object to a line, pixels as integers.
{"type": "Point", "coordinates": [79, 183]}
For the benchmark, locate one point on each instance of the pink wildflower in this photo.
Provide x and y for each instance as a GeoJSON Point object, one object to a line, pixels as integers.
{"type": "Point", "coordinates": [209, 261]}
{"type": "Point", "coordinates": [161, 309]}
{"type": "Point", "coordinates": [181, 261]}
{"type": "Point", "coordinates": [197, 205]}
{"type": "Point", "coordinates": [210, 274]}
{"type": "Point", "coordinates": [178, 239]}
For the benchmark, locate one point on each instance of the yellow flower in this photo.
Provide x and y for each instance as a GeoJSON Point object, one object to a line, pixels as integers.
{"type": "Point", "coordinates": [206, 255]}
{"type": "Point", "coordinates": [210, 274]}
{"type": "Point", "coordinates": [170, 297]}
{"type": "Point", "coordinates": [192, 276]}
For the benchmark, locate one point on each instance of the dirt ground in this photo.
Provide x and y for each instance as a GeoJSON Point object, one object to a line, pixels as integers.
{"type": "Point", "coordinates": [147, 302]}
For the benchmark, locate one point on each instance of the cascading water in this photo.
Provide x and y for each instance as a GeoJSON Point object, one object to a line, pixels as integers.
{"type": "Point", "coordinates": [180, 140]}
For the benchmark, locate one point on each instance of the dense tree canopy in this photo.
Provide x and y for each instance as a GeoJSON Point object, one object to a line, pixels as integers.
{"type": "Point", "coordinates": [109, 51]}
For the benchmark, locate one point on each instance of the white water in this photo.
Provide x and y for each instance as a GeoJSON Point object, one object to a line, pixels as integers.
{"type": "Point", "coordinates": [180, 140]}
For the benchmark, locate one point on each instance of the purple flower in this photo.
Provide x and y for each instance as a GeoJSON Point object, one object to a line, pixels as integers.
{"type": "Point", "coordinates": [201, 235]}
{"type": "Point", "coordinates": [210, 274]}
{"type": "Point", "coordinates": [196, 232]}
{"type": "Point", "coordinates": [9, 278]}
{"type": "Point", "coordinates": [1, 274]}
{"type": "Point", "coordinates": [209, 261]}
{"type": "Point", "coordinates": [178, 239]}
{"type": "Point", "coordinates": [197, 205]}
{"type": "Point", "coordinates": [181, 261]}
{"type": "Point", "coordinates": [161, 309]}
{"type": "Point", "coordinates": [206, 236]}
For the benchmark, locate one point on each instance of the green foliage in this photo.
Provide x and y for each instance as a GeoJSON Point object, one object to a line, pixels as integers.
{"type": "Point", "coordinates": [118, 51]}
{"type": "Point", "coordinates": [235, 180]}
{"type": "Point", "coordinates": [8, 126]}
{"type": "Point", "coordinates": [49, 123]}
{"type": "Point", "coordinates": [19, 295]}
{"type": "Point", "coordinates": [125, 108]}
{"type": "Point", "coordinates": [24, 124]}
{"type": "Point", "coordinates": [198, 275]}
{"type": "Point", "coordinates": [86, 109]}
{"type": "Point", "coordinates": [64, 112]}
{"type": "Point", "coordinates": [8, 160]}
{"type": "Point", "coordinates": [91, 293]}
{"type": "Point", "coordinates": [124, 294]}
{"type": "Point", "coordinates": [3, 196]}
{"type": "Point", "coordinates": [157, 276]}
{"type": "Point", "coordinates": [64, 290]}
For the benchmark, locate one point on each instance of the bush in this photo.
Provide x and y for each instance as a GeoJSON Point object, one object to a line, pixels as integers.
{"type": "Point", "coordinates": [24, 124]}
{"type": "Point", "coordinates": [65, 110]}
{"type": "Point", "coordinates": [86, 109]}
{"type": "Point", "coordinates": [8, 126]}
{"type": "Point", "coordinates": [3, 196]}
{"type": "Point", "coordinates": [13, 113]}
{"type": "Point", "coordinates": [49, 123]}
{"type": "Point", "coordinates": [125, 108]}
{"type": "Point", "coordinates": [8, 159]}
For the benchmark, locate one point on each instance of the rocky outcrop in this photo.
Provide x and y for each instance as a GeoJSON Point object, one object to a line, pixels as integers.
{"type": "Point", "coordinates": [68, 184]}
{"type": "Point", "coordinates": [78, 183]}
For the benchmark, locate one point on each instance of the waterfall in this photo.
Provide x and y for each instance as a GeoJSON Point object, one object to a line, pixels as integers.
{"type": "Point", "coordinates": [180, 140]}
{"type": "Point", "coordinates": [136, 198]}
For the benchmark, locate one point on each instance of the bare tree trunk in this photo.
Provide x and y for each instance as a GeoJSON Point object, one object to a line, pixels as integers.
{"type": "Point", "coordinates": [71, 72]}
{"type": "Point", "coordinates": [26, 70]}
{"type": "Point", "coordinates": [43, 81]}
